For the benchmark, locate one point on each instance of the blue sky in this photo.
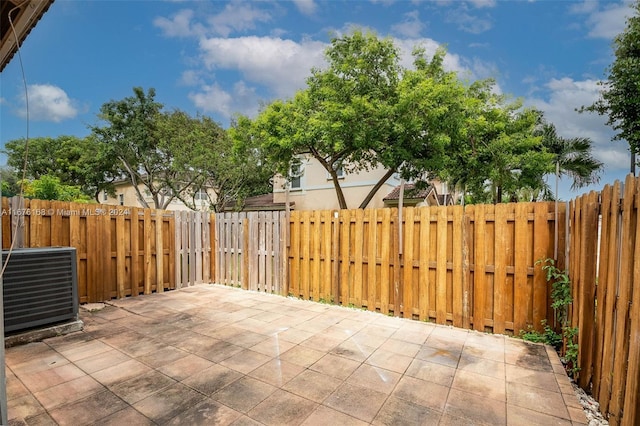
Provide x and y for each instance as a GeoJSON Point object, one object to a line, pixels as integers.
{"type": "Point", "coordinates": [220, 58]}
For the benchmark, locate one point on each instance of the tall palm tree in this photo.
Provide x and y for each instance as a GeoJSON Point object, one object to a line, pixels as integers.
{"type": "Point", "coordinates": [573, 157]}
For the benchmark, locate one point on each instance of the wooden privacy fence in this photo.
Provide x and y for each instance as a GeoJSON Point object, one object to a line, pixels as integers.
{"type": "Point", "coordinates": [251, 250]}
{"type": "Point", "coordinates": [121, 251]}
{"type": "Point", "coordinates": [604, 266]}
{"type": "Point", "coordinates": [473, 267]}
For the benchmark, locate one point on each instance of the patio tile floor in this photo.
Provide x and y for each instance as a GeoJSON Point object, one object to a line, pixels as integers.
{"type": "Point", "coordinates": [215, 355]}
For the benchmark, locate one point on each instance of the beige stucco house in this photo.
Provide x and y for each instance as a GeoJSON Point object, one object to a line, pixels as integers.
{"type": "Point", "coordinates": [311, 188]}
{"type": "Point", "coordinates": [125, 195]}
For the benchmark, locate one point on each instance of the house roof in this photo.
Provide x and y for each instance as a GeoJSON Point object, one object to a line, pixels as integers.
{"type": "Point", "coordinates": [24, 15]}
{"type": "Point", "coordinates": [410, 192]}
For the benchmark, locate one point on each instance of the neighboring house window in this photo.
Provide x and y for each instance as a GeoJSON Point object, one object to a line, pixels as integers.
{"type": "Point", "coordinates": [295, 178]}
{"type": "Point", "coordinates": [201, 194]}
{"type": "Point", "coordinates": [121, 199]}
{"type": "Point", "coordinates": [339, 171]}
{"type": "Point", "coordinates": [105, 196]}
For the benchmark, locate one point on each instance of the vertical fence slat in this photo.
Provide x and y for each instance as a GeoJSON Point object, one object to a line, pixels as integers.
{"type": "Point", "coordinates": [120, 257]}
{"type": "Point", "coordinates": [372, 260]}
{"type": "Point", "coordinates": [625, 290]}
{"type": "Point", "coordinates": [425, 238]}
{"type": "Point", "coordinates": [407, 255]}
{"type": "Point", "coordinates": [327, 275]}
{"type": "Point", "coordinates": [315, 263]}
{"type": "Point", "coordinates": [357, 258]}
{"type": "Point", "coordinates": [522, 288]}
{"type": "Point", "coordinates": [500, 267]}
{"type": "Point", "coordinates": [631, 398]}
{"type": "Point", "coordinates": [586, 295]}
{"type": "Point", "coordinates": [458, 271]}
{"type": "Point", "coordinates": [479, 268]}
{"type": "Point", "coordinates": [385, 255]}
{"type": "Point", "coordinates": [540, 248]}
{"type": "Point", "coordinates": [441, 269]}
{"type": "Point", "coordinates": [345, 225]}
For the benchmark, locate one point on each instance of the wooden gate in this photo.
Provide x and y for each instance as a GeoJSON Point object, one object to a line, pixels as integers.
{"type": "Point", "coordinates": [251, 250]}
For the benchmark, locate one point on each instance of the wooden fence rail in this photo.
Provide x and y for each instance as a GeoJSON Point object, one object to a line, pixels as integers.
{"type": "Point", "coordinates": [606, 306]}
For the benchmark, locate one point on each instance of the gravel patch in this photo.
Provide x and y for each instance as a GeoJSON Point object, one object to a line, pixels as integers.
{"type": "Point", "coordinates": [591, 407]}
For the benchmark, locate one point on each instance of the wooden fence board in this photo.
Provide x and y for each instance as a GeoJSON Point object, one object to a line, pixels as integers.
{"type": "Point", "coordinates": [479, 269]}
{"type": "Point", "coordinates": [372, 260]}
{"type": "Point", "coordinates": [358, 246]}
{"type": "Point", "coordinates": [441, 265]}
{"type": "Point", "coordinates": [407, 256]}
{"type": "Point", "coordinates": [500, 268]}
{"type": "Point", "coordinates": [625, 291]}
{"type": "Point", "coordinates": [522, 289]}
{"type": "Point", "coordinates": [385, 252]}
{"type": "Point", "coordinates": [458, 266]}
{"type": "Point", "coordinates": [631, 402]}
{"type": "Point", "coordinates": [540, 285]}
{"type": "Point", "coordinates": [423, 282]}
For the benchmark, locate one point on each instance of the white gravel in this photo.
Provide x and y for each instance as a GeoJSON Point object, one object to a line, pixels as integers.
{"type": "Point", "coordinates": [591, 407]}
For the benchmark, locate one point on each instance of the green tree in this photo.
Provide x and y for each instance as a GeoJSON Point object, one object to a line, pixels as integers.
{"type": "Point", "coordinates": [9, 180]}
{"type": "Point", "coordinates": [365, 111]}
{"type": "Point", "coordinates": [572, 157]}
{"type": "Point", "coordinates": [500, 158]}
{"type": "Point", "coordinates": [620, 94]}
{"type": "Point", "coordinates": [50, 188]}
{"type": "Point", "coordinates": [130, 135]}
{"type": "Point", "coordinates": [204, 162]}
{"type": "Point", "coordinates": [74, 161]}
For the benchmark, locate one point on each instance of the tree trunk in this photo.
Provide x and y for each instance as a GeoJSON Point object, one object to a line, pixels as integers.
{"type": "Point", "coordinates": [342, 202]}
{"type": "Point", "coordinates": [375, 189]}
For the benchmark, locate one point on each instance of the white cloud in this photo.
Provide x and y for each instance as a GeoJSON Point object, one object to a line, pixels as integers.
{"type": "Point", "coordinates": [190, 78]}
{"type": "Point", "coordinates": [214, 99]}
{"type": "Point", "coordinates": [280, 65]}
{"type": "Point", "coordinates": [237, 16]}
{"type": "Point", "coordinates": [603, 22]}
{"type": "Point", "coordinates": [467, 68]}
{"type": "Point", "coordinates": [483, 3]}
{"type": "Point", "coordinates": [306, 7]}
{"type": "Point", "coordinates": [564, 96]}
{"type": "Point", "coordinates": [411, 26]}
{"type": "Point", "coordinates": [47, 103]}
{"type": "Point", "coordinates": [609, 22]}
{"type": "Point", "coordinates": [469, 23]}
{"type": "Point", "coordinates": [179, 25]}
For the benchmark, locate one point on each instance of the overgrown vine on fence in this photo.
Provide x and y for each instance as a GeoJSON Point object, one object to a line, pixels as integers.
{"type": "Point", "coordinates": [564, 342]}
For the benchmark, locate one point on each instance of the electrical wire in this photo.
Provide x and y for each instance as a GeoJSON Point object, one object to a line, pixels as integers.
{"type": "Point", "coordinates": [26, 144]}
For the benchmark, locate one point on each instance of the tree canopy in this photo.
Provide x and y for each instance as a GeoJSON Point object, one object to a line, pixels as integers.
{"type": "Point", "coordinates": [364, 111]}
{"type": "Point", "coordinates": [169, 154]}
{"type": "Point", "coordinates": [620, 95]}
{"type": "Point", "coordinates": [74, 161]}
{"type": "Point", "coordinates": [572, 157]}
